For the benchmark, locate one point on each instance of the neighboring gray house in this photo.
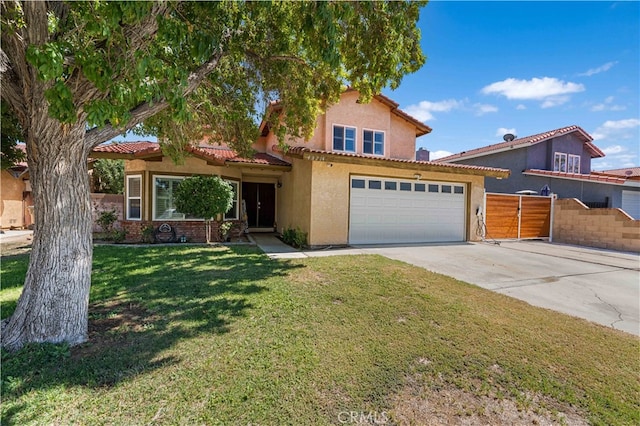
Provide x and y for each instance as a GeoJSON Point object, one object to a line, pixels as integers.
{"type": "Point", "coordinates": [560, 160]}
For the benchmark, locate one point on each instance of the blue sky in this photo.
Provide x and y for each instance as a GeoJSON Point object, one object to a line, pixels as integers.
{"type": "Point", "coordinates": [496, 67]}
{"type": "Point", "coordinates": [526, 68]}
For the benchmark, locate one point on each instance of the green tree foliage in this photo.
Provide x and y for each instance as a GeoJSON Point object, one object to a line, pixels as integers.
{"type": "Point", "coordinates": [108, 176]}
{"type": "Point", "coordinates": [77, 74]}
{"type": "Point", "coordinates": [10, 134]}
{"type": "Point", "coordinates": [204, 196]}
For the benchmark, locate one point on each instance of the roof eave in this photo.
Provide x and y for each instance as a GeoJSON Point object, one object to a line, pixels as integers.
{"type": "Point", "coordinates": [426, 166]}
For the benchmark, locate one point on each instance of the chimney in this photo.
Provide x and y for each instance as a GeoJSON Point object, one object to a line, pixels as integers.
{"type": "Point", "coordinates": [422, 155]}
{"type": "Point", "coordinates": [508, 137]}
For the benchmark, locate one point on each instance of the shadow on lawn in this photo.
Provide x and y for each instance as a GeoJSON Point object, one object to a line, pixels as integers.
{"type": "Point", "coordinates": [144, 301]}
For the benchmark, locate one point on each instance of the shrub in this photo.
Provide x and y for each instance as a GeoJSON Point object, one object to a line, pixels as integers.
{"type": "Point", "coordinates": [224, 229]}
{"type": "Point", "coordinates": [106, 220]}
{"type": "Point", "coordinates": [294, 237]}
{"type": "Point", "coordinates": [147, 234]}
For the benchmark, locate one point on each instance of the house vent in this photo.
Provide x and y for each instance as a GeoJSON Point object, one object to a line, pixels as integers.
{"type": "Point", "coordinates": [508, 137]}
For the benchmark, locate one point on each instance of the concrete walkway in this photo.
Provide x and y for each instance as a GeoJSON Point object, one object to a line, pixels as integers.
{"type": "Point", "coordinates": [602, 286]}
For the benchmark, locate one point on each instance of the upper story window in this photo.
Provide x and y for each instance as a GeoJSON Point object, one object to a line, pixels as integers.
{"type": "Point", "coordinates": [573, 164]}
{"type": "Point", "coordinates": [373, 142]}
{"type": "Point", "coordinates": [567, 163]}
{"type": "Point", "coordinates": [344, 138]}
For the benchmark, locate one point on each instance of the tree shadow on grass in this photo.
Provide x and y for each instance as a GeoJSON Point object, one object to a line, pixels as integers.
{"type": "Point", "coordinates": [143, 301]}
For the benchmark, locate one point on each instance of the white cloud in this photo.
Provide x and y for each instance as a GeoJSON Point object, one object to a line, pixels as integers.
{"type": "Point", "coordinates": [534, 89]}
{"type": "Point", "coordinates": [553, 101]}
{"type": "Point", "coordinates": [614, 149]}
{"type": "Point", "coordinates": [482, 109]}
{"type": "Point", "coordinates": [435, 155]}
{"type": "Point", "coordinates": [503, 131]}
{"type": "Point", "coordinates": [620, 129]}
{"type": "Point", "coordinates": [598, 70]}
{"type": "Point", "coordinates": [607, 105]}
{"type": "Point", "coordinates": [521, 107]}
{"type": "Point", "coordinates": [423, 110]}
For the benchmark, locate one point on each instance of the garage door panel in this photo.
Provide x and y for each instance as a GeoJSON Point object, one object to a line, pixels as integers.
{"type": "Point", "coordinates": [406, 216]}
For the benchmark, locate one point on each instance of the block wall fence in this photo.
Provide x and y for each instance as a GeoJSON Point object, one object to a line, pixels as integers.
{"type": "Point", "coordinates": [575, 223]}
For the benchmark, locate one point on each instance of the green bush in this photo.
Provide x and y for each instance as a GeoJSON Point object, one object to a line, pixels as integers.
{"type": "Point", "coordinates": [147, 234]}
{"type": "Point", "coordinates": [294, 237]}
{"type": "Point", "coordinates": [106, 220]}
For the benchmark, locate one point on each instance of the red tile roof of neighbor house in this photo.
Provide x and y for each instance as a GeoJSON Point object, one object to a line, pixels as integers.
{"type": "Point", "coordinates": [215, 154]}
{"type": "Point", "coordinates": [528, 141]}
{"type": "Point", "coordinates": [299, 151]}
{"type": "Point", "coordinates": [632, 173]}
{"type": "Point", "coordinates": [593, 177]}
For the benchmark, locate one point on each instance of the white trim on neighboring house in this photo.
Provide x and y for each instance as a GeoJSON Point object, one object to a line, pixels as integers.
{"type": "Point", "coordinates": [130, 197]}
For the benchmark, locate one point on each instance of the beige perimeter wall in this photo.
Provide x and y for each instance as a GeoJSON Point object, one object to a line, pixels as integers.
{"type": "Point", "coordinates": [11, 205]}
{"type": "Point", "coordinates": [575, 223]}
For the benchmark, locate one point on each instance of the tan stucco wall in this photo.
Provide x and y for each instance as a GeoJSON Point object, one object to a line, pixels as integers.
{"type": "Point", "coordinates": [294, 197]}
{"type": "Point", "coordinates": [11, 201]}
{"type": "Point", "coordinates": [330, 188]}
{"type": "Point", "coordinates": [575, 223]}
{"type": "Point", "coordinates": [400, 135]}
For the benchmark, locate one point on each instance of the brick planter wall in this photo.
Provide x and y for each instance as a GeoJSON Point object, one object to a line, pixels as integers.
{"type": "Point", "coordinates": [575, 223]}
{"type": "Point", "coordinates": [193, 230]}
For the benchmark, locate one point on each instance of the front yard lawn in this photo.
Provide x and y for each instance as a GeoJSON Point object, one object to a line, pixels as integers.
{"type": "Point", "coordinates": [224, 335]}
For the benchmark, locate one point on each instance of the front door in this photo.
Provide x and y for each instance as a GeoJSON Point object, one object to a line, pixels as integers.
{"type": "Point", "coordinates": [260, 199]}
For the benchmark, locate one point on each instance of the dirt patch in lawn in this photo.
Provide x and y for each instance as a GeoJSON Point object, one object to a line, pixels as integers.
{"type": "Point", "coordinates": [111, 322]}
{"type": "Point", "coordinates": [420, 404]}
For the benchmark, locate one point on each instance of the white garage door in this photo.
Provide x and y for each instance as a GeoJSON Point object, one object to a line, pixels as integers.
{"type": "Point", "coordinates": [631, 203]}
{"type": "Point", "coordinates": [387, 210]}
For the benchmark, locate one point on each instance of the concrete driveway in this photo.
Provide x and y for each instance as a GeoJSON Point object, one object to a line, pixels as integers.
{"type": "Point", "coordinates": [602, 286]}
{"type": "Point", "coordinates": [598, 285]}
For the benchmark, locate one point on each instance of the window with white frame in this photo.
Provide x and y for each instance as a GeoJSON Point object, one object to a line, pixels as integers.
{"type": "Point", "coordinates": [344, 138]}
{"type": "Point", "coordinates": [134, 197]}
{"type": "Point", "coordinates": [232, 214]}
{"type": "Point", "coordinates": [373, 142]}
{"type": "Point", "coordinates": [574, 164]}
{"type": "Point", "coordinates": [164, 207]}
{"type": "Point", "coordinates": [559, 162]}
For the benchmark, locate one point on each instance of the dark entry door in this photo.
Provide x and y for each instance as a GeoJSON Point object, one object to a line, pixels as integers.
{"type": "Point", "coordinates": [260, 199]}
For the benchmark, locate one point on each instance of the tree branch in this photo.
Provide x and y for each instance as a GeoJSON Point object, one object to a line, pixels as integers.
{"type": "Point", "coordinates": [98, 135]}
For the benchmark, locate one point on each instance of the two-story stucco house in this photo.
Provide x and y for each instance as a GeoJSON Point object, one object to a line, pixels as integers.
{"type": "Point", "coordinates": [559, 160]}
{"type": "Point", "coordinates": [355, 181]}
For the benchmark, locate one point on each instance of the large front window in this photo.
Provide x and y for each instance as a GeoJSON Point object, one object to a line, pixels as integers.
{"type": "Point", "coordinates": [344, 138]}
{"type": "Point", "coordinates": [373, 142]}
{"type": "Point", "coordinates": [164, 207]}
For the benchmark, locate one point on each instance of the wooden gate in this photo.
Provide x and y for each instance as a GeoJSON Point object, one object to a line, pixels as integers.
{"type": "Point", "coordinates": [514, 216]}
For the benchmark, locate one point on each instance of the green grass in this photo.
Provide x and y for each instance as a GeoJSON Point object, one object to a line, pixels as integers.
{"type": "Point", "coordinates": [194, 335]}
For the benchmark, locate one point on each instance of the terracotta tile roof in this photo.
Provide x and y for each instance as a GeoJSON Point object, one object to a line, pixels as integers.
{"type": "Point", "coordinates": [126, 147]}
{"type": "Point", "coordinates": [214, 154]}
{"type": "Point", "coordinates": [626, 172]}
{"type": "Point", "coordinates": [528, 141]}
{"type": "Point", "coordinates": [577, 176]}
{"type": "Point", "coordinates": [300, 151]}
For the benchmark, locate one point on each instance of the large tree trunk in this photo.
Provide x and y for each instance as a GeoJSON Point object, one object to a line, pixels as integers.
{"type": "Point", "coordinates": [54, 302]}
